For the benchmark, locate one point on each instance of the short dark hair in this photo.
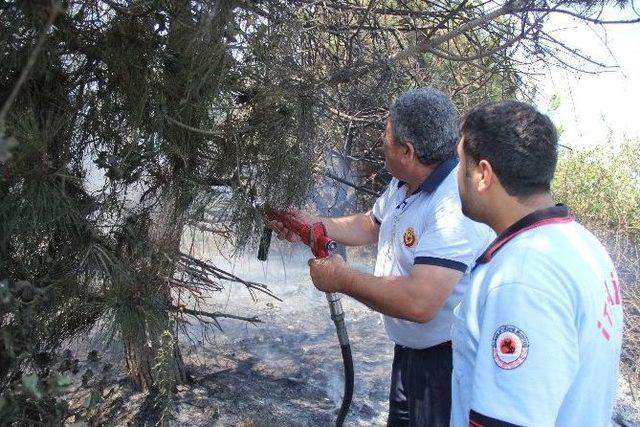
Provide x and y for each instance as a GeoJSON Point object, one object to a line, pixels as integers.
{"type": "Point", "coordinates": [428, 119]}
{"type": "Point", "coordinates": [520, 143]}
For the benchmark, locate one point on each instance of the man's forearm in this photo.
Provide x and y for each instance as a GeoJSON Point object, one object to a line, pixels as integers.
{"type": "Point", "coordinates": [354, 230]}
{"type": "Point", "coordinates": [396, 296]}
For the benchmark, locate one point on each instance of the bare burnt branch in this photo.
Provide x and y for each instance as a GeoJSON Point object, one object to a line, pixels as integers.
{"type": "Point", "coordinates": [224, 275]}
{"type": "Point", "coordinates": [352, 185]}
{"type": "Point", "coordinates": [214, 315]}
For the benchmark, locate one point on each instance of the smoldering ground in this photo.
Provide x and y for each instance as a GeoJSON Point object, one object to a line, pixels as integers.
{"type": "Point", "coordinates": [286, 370]}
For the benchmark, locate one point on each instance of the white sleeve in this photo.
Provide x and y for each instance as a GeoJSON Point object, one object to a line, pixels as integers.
{"type": "Point", "coordinates": [451, 239]}
{"type": "Point", "coordinates": [527, 355]}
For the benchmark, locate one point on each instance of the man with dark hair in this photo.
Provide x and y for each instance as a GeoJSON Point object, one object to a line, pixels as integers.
{"type": "Point", "coordinates": [425, 246]}
{"type": "Point", "coordinates": [537, 336]}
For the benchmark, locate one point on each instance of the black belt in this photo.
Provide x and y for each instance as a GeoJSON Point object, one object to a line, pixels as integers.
{"type": "Point", "coordinates": [446, 344]}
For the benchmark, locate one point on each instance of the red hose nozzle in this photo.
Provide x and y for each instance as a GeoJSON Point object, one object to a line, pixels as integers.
{"type": "Point", "coordinates": [312, 235]}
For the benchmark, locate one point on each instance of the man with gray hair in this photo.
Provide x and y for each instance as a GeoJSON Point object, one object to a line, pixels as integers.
{"type": "Point", "coordinates": [425, 247]}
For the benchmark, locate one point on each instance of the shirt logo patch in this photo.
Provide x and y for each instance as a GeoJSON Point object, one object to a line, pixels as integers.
{"type": "Point", "coordinates": [510, 347]}
{"type": "Point", "coordinates": [409, 237]}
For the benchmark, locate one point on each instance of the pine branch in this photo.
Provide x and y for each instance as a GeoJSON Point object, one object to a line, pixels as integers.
{"type": "Point", "coordinates": [56, 9]}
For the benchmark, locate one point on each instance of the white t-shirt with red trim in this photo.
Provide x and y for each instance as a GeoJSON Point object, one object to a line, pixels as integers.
{"type": "Point", "coordinates": [537, 336]}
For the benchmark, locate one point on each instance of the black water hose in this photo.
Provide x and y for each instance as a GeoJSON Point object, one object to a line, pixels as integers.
{"type": "Point", "coordinates": [337, 315]}
{"type": "Point", "coordinates": [347, 360]}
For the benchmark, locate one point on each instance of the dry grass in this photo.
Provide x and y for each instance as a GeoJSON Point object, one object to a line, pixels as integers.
{"type": "Point", "coordinates": [624, 250]}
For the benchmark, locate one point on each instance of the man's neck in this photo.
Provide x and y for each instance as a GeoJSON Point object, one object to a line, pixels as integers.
{"type": "Point", "coordinates": [418, 176]}
{"type": "Point", "coordinates": [512, 210]}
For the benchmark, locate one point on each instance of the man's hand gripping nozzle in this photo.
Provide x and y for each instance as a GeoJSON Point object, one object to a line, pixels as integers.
{"type": "Point", "coordinates": [315, 236]}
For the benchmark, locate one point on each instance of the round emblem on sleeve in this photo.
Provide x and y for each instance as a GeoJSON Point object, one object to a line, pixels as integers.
{"type": "Point", "coordinates": [510, 347]}
{"type": "Point", "coordinates": [409, 237]}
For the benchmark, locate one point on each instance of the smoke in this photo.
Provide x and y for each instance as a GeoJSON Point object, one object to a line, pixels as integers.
{"type": "Point", "coordinates": [295, 354]}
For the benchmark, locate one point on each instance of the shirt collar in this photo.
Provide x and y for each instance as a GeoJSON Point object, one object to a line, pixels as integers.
{"type": "Point", "coordinates": [553, 215]}
{"type": "Point", "coordinates": [436, 177]}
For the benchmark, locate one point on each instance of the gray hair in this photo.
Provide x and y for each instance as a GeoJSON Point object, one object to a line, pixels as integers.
{"type": "Point", "coordinates": [428, 119]}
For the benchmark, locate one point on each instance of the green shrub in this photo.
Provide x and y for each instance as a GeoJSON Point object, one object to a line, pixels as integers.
{"type": "Point", "coordinates": [601, 186]}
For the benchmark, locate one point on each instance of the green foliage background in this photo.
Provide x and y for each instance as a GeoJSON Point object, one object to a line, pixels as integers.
{"type": "Point", "coordinates": [601, 186]}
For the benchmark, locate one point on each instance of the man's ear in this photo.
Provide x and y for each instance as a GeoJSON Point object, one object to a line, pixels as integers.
{"type": "Point", "coordinates": [486, 176]}
{"type": "Point", "coordinates": [409, 150]}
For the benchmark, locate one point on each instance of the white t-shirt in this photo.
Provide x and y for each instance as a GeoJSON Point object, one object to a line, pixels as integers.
{"type": "Point", "coordinates": [426, 227]}
{"type": "Point", "coordinates": [537, 336]}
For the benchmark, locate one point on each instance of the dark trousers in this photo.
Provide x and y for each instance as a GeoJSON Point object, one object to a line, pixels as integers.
{"type": "Point", "coordinates": [421, 386]}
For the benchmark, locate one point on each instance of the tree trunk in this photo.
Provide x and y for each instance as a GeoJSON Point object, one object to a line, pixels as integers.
{"type": "Point", "coordinates": [187, 105]}
{"type": "Point", "coordinates": [141, 337]}
{"type": "Point", "coordinates": [140, 358]}
{"type": "Point", "coordinates": [138, 355]}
